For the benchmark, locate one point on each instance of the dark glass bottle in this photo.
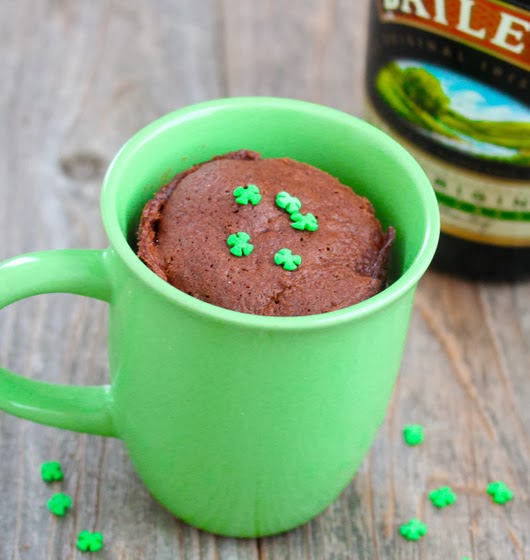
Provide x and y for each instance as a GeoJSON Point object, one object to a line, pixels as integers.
{"type": "Point", "coordinates": [450, 80]}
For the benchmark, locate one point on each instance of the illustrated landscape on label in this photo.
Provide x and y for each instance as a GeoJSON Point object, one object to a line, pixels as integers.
{"type": "Point", "coordinates": [458, 111]}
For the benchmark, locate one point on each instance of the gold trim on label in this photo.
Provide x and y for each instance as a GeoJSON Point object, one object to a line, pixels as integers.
{"type": "Point", "coordinates": [483, 238]}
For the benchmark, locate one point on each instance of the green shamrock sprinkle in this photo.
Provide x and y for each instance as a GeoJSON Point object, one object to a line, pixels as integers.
{"type": "Point", "coordinates": [51, 471]}
{"type": "Point", "coordinates": [442, 497]}
{"type": "Point", "coordinates": [304, 221]}
{"type": "Point", "coordinates": [59, 504]}
{"type": "Point", "coordinates": [413, 530]}
{"type": "Point", "coordinates": [413, 434]}
{"type": "Point", "coordinates": [287, 202]}
{"type": "Point", "coordinates": [286, 258]}
{"type": "Point", "coordinates": [89, 542]}
{"type": "Point", "coordinates": [247, 194]}
{"type": "Point", "coordinates": [239, 243]}
{"type": "Point", "coordinates": [499, 492]}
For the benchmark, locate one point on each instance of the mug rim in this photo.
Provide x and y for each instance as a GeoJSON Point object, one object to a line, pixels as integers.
{"type": "Point", "coordinates": [407, 281]}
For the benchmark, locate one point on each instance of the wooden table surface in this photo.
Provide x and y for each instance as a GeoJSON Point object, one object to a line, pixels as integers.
{"type": "Point", "coordinates": [79, 78]}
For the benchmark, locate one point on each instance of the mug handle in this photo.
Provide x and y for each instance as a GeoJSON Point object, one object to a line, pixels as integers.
{"type": "Point", "coordinates": [76, 271]}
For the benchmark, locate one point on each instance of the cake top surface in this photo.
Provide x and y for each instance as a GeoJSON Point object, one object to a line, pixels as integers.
{"type": "Point", "coordinates": [192, 230]}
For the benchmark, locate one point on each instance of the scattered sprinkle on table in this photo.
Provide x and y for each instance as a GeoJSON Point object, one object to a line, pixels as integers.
{"type": "Point", "coordinates": [51, 471]}
{"type": "Point", "coordinates": [89, 542]}
{"type": "Point", "coordinates": [59, 504]}
{"type": "Point", "coordinates": [413, 530]}
{"type": "Point", "coordinates": [499, 492]}
{"type": "Point", "coordinates": [442, 497]}
{"type": "Point", "coordinates": [413, 434]}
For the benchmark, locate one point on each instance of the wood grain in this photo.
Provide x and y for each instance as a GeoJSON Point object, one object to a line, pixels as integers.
{"type": "Point", "coordinates": [78, 78]}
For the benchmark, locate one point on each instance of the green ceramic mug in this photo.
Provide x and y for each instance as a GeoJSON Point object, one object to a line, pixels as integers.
{"type": "Point", "coordinates": [239, 424]}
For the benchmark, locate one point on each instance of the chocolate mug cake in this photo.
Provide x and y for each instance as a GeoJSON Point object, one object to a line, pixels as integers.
{"type": "Point", "coordinates": [265, 236]}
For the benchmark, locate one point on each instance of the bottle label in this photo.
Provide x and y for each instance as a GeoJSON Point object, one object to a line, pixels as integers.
{"type": "Point", "coordinates": [451, 79]}
{"type": "Point", "coordinates": [473, 206]}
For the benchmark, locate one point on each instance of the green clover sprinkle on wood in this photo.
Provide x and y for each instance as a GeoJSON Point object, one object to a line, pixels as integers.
{"type": "Point", "coordinates": [413, 434]}
{"type": "Point", "coordinates": [247, 194]}
{"type": "Point", "coordinates": [413, 530]}
{"type": "Point", "coordinates": [499, 492]}
{"type": "Point", "coordinates": [284, 257]}
{"type": "Point", "coordinates": [304, 221]}
{"type": "Point", "coordinates": [89, 542]}
{"type": "Point", "coordinates": [51, 471]}
{"type": "Point", "coordinates": [59, 504]}
{"type": "Point", "coordinates": [442, 497]}
{"type": "Point", "coordinates": [239, 243]}
{"type": "Point", "coordinates": [287, 202]}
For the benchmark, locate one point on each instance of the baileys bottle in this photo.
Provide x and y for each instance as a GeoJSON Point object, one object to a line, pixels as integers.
{"type": "Point", "coordinates": [450, 79]}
